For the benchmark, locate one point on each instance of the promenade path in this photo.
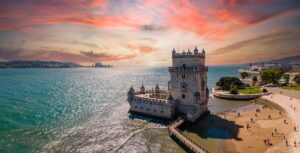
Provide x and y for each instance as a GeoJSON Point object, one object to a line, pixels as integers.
{"type": "Point", "coordinates": [183, 139]}
{"type": "Point", "coordinates": [290, 93]}
{"type": "Point", "coordinates": [288, 104]}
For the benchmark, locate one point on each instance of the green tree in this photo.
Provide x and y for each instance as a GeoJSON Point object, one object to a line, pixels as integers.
{"type": "Point", "coordinates": [244, 75]}
{"type": "Point", "coordinates": [297, 80]}
{"type": "Point", "coordinates": [271, 75]}
{"type": "Point", "coordinates": [286, 78]}
{"type": "Point", "coordinates": [226, 82]}
{"type": "Point", "coordinates": [233, 89]}
{"type": "Point", "coordinates": [254, 80]}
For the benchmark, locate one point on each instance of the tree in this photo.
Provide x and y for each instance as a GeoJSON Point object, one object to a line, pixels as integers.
{"type": "Point", "coordinates": [297, 80]}
{"type": "Point", "coordinates": [226, 82]}
{"type": "Point", "coordinates": [244, 75]}
{"type": "Point", "coordinates": [254, 80]}
{"type": "Point", "coordinates": [286, 78]}
{"type": "Point", "coordinates": [271, 75]}
{"type": "Point", "coordinates": [233, 89]}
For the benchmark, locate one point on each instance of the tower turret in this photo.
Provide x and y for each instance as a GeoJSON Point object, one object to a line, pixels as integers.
{"type": "Point", "coordinates": [173, 52]}
{"type": "Point", "coordinates": [130, 94]}
{"type": "Point", "coordinates": [196, 50]}
{"type": "Point", "coordinates": [156, 89]}
{"type": "Point", "coordinates": [142, 90]}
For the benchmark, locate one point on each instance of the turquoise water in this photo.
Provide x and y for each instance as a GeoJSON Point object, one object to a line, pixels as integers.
{"type": "Point", "coordinates": [77, 110]}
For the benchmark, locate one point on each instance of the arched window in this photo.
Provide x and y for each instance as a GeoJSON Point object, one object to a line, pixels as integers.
{"type": "Point", "coordinates": [183, 65]}
{"type": "Point", "coordinates": [183, 96]}
{"type": "Point", "coordinates": [183, 76]}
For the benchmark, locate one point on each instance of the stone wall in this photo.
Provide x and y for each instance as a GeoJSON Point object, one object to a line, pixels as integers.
{"type": "Point", "coordinates": [153, 107]}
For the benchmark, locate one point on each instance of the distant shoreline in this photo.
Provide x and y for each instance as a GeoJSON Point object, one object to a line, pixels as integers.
{"type": "Point", "coordinates": [45, 64]}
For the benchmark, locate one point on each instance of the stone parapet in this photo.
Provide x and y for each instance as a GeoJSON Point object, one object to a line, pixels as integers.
{"type": "Point", "coordinates": [188, 55]}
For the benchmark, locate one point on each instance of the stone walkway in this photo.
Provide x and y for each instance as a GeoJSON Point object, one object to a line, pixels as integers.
{"type": "Point", "coordinates": [288, 104]}
{"type": "Point", "coordinates": [183, 139]}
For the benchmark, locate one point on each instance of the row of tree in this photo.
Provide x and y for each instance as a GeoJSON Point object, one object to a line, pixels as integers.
{"type": "Point", "coordinates": [272, 75]}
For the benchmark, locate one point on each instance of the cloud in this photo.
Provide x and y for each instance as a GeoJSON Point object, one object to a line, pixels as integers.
{"type": "Point", "coordinates": [15, 14]}
{"type": "Point", "coordinates": [143, 49]}
{"type": "Point", "coordinates": [248, 13]}
{"type": "Point", "coordinates": [83, 57]}
{"type": "Point", "coordinates": [276, 44]}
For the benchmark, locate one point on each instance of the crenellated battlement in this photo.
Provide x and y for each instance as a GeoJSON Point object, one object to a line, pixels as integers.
{"type": "Point", "coordinates": [188, 54]}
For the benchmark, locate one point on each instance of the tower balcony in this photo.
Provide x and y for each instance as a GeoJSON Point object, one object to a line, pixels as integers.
{"type": "Point", "coordinates": [189, 69]}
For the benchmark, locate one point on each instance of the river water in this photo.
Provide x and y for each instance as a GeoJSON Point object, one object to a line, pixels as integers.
{"type": "Point", "coordinates": [78, 110]}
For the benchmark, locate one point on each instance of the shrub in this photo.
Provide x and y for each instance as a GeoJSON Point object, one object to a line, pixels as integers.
{"type": "Point", "coordinates": [264, 90]}
{"type": "Point", "coordinates": [233, 89]}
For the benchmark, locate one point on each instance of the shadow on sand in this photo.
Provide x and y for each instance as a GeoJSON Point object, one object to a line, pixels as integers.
{"type": "Point", "coordinates": [213, 126]}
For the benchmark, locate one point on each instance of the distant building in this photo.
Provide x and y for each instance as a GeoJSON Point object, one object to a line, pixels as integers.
{"type": "Point", "coordinates": [102, 65]}
{"type": "Point", "coordinates": [187, 92]}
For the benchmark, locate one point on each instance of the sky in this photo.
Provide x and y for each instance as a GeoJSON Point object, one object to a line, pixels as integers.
{"type": "Point", "coordinates": [142, 33]}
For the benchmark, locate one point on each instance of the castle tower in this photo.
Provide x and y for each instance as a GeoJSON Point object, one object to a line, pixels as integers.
{"type": "Point", "coordinates": [188, 83]}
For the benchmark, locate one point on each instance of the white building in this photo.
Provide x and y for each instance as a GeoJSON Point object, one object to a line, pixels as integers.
{"type": "Point", "coordinates": [187, 93]}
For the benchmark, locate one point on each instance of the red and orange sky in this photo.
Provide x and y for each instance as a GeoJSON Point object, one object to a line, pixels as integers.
{"type": "Point", "coordinates": [143, 33]}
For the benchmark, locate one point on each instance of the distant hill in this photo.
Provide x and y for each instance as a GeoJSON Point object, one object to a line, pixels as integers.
{"type": "Point", "coordinates": [283, 61]}
{"type": "Point", "coordinates": [38, 64]}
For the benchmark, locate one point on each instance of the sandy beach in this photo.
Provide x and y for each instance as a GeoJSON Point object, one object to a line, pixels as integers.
{"type": "Point", "coordinates": [232, 135]}
{"type": "Point", "coordinates": [291, 106]}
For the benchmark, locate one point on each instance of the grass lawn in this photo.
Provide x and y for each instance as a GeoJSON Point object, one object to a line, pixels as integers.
{"type": "Point", "coordinates": [250, 90]}
{"type": "Point", "coordinates": [292, 87]}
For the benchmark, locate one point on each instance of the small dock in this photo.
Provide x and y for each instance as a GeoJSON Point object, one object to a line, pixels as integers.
{"type": "Point", "coordinates": [192, 146]}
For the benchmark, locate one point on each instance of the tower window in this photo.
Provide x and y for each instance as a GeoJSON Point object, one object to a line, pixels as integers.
{"type": "Point", "coordinates": [183, 76]}
{"type": "Point", "coordinates": [183, 96]}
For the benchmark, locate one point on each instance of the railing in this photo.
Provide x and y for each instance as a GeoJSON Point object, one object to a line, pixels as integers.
{"type": "Point", "coordinates": [184, 139]}
{"type": "Point", "coordinates": [151, 91]}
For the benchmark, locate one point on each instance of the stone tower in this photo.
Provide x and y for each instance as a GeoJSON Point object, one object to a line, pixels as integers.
{"type": "Point", "coordinates": [188, 83]}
